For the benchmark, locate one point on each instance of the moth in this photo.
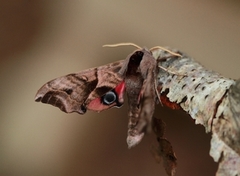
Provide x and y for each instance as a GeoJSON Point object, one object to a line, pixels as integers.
{"type": "Point", "coordinates": [103, 87]}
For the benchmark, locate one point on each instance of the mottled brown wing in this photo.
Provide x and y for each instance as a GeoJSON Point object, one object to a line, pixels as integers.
{"type": "Point", "coordinates": [80, 91]}
{"type": "Point", "coordinates": [140, 90]}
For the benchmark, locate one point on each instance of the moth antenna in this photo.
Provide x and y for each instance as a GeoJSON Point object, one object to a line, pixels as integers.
{"type": "Point", "coordinates": [164, 49]}
{"type": "Point", "coordinates": [171, 72]}
{"type": "Point", "coordinates": [122, 44]}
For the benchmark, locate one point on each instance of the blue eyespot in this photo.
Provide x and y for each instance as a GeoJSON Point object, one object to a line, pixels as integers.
{"type": "Point", "coordinates": [109, 98]}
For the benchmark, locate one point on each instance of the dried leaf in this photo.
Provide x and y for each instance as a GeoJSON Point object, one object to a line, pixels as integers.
{"type": "Point", "coordinates": [164, 152]}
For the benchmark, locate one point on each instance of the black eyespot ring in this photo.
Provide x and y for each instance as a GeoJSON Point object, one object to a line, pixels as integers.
{"type": "Point", "coordinates": [109, 98]}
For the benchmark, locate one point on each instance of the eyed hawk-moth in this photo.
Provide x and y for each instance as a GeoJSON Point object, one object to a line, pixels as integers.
{"type": "Point", "coordinates": [103, 87]}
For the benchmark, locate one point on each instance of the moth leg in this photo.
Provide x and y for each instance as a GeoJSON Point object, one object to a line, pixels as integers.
{"type": "Point", "coordinates": [157, 92]}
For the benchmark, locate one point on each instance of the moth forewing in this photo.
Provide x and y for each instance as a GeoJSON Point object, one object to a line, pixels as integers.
{"type": "Point", "coordinates": [141, 94]}
{"type": "Point", "coordinates": [73, 92]}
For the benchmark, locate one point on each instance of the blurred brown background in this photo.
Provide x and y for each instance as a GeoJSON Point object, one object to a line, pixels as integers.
{"type": "Point", "coordinates": [41, 40]}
